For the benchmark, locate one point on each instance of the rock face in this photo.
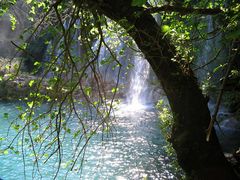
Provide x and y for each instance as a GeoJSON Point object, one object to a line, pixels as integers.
{"type": "Point", "coordinates": [7, 49]}
{"type": "Point", "coordinates": [228, 129]}
{"type": "Point", "coordinates": [229, 134]}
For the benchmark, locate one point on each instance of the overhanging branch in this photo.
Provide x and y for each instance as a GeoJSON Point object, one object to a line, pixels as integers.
{"type": "Point", "coordinates": [184, 10]}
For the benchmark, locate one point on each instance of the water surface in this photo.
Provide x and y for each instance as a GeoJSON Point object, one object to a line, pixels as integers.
{"type": "Point", "coordinates": [133, 149]}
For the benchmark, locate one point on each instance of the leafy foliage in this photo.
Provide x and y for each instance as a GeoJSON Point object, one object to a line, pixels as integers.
{"type": "Point", "coordinates": [5, 4]}
{"type": "Point", "coordinates": [166, 123]}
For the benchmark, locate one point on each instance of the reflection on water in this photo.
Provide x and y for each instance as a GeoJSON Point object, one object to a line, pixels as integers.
{"type": "Point", "coordinates": [133, 149]}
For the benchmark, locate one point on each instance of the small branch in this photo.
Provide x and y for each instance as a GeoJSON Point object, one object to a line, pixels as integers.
{"type": "Point", "coordinates": [219, 98]}
{"type": "Point", "coordinates": [210, 61]}
{"type": "Point", "coordinates": [184, 10]}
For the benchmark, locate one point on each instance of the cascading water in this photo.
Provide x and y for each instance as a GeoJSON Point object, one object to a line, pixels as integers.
{"type": "Point", "coordinates": [138, 91]}
{"type": "Point", "coordinates": [108, 66]}
{"type": "Point", "coordinates": [137, 96]}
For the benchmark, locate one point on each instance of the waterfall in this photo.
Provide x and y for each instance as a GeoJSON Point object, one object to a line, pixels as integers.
{"type": "Point", "coordinates": [134, 85]}
{"type": "Point", "coordinates": [212, 52]}
{"type": "Point", "coordinates": [209, 43]}
{"type": "Point", "coordinates": [138, 95]}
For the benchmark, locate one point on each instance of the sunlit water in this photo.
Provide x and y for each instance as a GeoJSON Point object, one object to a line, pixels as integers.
{"type": "Point", "coordinates": [132, 150]}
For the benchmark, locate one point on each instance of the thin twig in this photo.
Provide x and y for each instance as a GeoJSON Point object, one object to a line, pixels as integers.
{"type": "Point", "coordinates": [219, 98]}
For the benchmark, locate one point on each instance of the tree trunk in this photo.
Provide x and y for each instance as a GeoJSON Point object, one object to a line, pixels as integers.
{"type": "Point", "coordinates": [198, 158]}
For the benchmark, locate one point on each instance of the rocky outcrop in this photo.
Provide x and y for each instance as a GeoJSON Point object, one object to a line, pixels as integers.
{"type": "Point", "coordinates": [7, 49]}
{"type": "Point", "coordinates": [228, 134]}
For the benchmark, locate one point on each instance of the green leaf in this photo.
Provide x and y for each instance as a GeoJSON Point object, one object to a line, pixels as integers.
{"type": "Point", "coordinates": [138, 2]}
{"type": "Point", "coordinates": [32, 11]}
{"type": "Point", "coordinates": [16, 127]}
{"type": "Point", "coordinates": [31, 83]}
{"type": "Point", "coordinates": [30, 104]}
{"type": "Point", "coordinates": [106, 61]}
{"type": "Point", "coordinates": [76, 134]}
{"type": "Point", "coordinates": [68, 130]}
{"type": "Point", "coordinates": [2, 138]}
{"type": "Point", "coordinates": [88, 91]}
{"type": "Point", "coordinates": [37, 63]}
{"type": "Point", "coordinates": [165, 28]}
{"type": "Point", "coordinates": [5, 152]}
{"type": "Point", "coordinates": [114, 90]}
{"type": "Point", "coordinates": [221, 66]}
{"type": "Point", "coordinates": [19, 108]}
{"type": "Point", "coordinates": [95, 103]}
{"type": "Point", "coordinates": [38, 139]}
{"type": "Point", "coordinates": [22, 116]}
{"type": "Point", "coordinates": [53, 115]}
{"type": "Point", "coordinates": [28, 1]}
{"type": "Point", "coordinates": [16, 152]}
{"type": "Point", "coordinates": [107, 129]}
{"type": "Point", "coordinates": [6, 115]}
{"type": "Point", "coordinates": [8, 67]}
{"type": "Point", "coordinates": [13, 21]}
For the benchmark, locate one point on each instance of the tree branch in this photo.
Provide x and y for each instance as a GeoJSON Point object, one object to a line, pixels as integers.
{"type": "Point", "coordinates": [184, 10]}
{"type": "Point", "coordinates": [220, 95]}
